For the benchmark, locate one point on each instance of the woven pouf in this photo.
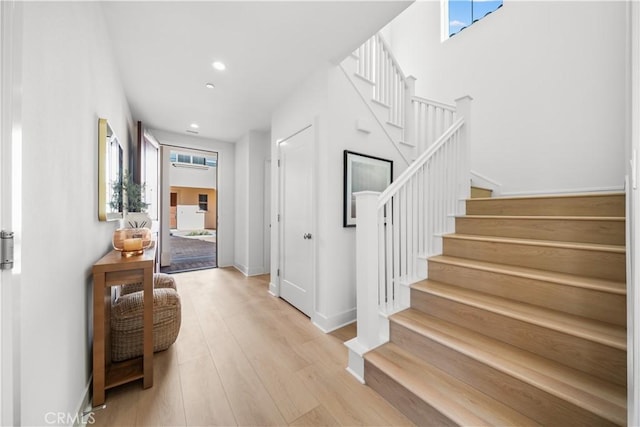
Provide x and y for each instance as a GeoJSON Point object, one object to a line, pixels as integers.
{"type": "Point", "coordinates": [127, 325]}
{"type": "Point", "coordinates": [160, 280]}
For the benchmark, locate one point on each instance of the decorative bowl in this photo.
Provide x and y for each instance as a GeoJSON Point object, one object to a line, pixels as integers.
{"type": "Point", "coordinates": [131, 241]}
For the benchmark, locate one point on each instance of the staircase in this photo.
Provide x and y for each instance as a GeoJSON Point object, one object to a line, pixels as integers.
{"type": "Point", "coordinates": [521, 322]}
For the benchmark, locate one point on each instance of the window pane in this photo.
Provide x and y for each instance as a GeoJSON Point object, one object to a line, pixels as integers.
{"type": "Point", "coordinates": [210, 161]}
{"type": "Point", "coordinates": [173, 157]}
{"type": "Point", "coordinates": [460, 14]}
{"type": "Point", "coordinates": [198, 160]}
{"type": "Point", "coordinates": [203, 200]}
{"type": "Point", "coordinates": [184, 158]}
{"type": "Point", "coordinates": [482, 8]}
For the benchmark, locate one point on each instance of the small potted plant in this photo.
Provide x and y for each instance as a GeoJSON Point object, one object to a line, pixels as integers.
{"type": "Point", "coordinates": [127, 198]}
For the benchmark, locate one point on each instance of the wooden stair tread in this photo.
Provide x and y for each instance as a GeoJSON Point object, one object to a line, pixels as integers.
{"type": "Point", "coordinates": [593, 330]}
{"type": "Point", "coordinates": [547, 243]}
{"type": "Point", "coordinates": [556, 196]}
{"type": "Point", "coordinates": [600, 397]}
{"type": "Point", "coordinates": [453, 398]}
{"type": "Point", "coordinates": [549, 217]}
{"type": "Point", "coordinates": [566, 279]}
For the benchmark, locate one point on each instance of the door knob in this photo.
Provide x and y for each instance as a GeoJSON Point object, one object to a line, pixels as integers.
{"type": "Point", "coordinates": [307, 236]}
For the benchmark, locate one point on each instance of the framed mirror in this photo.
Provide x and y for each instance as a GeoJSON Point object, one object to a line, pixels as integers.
{"type": "Point", "coordinates": [109, 172]}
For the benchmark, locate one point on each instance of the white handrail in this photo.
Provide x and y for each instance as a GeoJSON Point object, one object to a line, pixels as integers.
{"type": "Point", "coordinates": [430, 120]}
{"type": "Point", "coordinates": [395, 186]}
{"type": "Point", "coordinates": [442, 105]}
{"type": "Point", "coordinates": [397, 230]}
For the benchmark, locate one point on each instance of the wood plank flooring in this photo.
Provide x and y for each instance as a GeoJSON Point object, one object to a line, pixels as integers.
{"type": "Point", "coordinates": [244, 357]}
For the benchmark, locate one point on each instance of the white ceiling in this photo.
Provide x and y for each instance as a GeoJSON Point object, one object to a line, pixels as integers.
{"type": "Point", "coordinates": [165, 50]}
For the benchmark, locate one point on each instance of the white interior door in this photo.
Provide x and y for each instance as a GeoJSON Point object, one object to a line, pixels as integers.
{"type": "Point", "coordinates": [10, 205]}
{"type": "Point", "coordinates": [296, 210]}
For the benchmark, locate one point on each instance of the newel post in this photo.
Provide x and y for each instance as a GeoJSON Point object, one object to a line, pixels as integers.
{"type": "Point", "coordinates": [463, 109]}
{"type": "Point", "coordinates": [366, 282]}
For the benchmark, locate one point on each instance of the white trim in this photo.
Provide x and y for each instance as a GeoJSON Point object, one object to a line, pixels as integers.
{"type": "Point", "coordinates": [477, 179]}
{"type": "Point", "coordinates": [633, 217]}
{"type": "Point", "coordinates": [612, 189]}
{"type": "Point", "coordinates": [375, 116]}
{"type": "Point", "coordinates": [241, 268]}
{"type": "Point", "coordinates": [85, 407]}
{"type": "Point", "coordinates": [250, 271]}
{"type": "Point", "coordinates": [355, 363]}
{"type": "Point", "coordinates": [272, 290]}
{"type": "Point", "coordinates": [336, 321]}
{"type": "Point", "coordinates": [11, 213]}
{"type": "Point", "coordinates": [444, 20]}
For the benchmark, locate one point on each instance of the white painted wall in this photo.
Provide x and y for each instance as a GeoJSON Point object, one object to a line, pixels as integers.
{"type": "Point", "coordinates": [241, 257]}
{"type": "Point", "coordinates": [251, 152]}
{"type": "Point", "coordinates": [69, 80]}
{"type": "Point", "coordinates": [328, 101]}
{"type": "Point", "coordinates": [185, 176]}
{"type": "Point", "coordinates": [258, 153]}
{"type": "Point", "coordinates": [226, 188]}
{"type": "Point", "coordinates": [190, 217]}
{"type": "Point", "coordinates": [548, 79]}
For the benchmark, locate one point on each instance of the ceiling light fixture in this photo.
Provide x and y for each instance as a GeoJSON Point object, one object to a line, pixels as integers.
{"type": "Point", "coordinates": [209, 85]}
{"type": "Point", "coordinates": [194, 126]}
{"type": "Point", "coordinates": [219, 66]}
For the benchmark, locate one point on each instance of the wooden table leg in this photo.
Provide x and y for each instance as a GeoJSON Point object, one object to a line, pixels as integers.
{"type": "Point", "coordinates": [147, 360]}
{"type": "Point", "coordinates": [98, 341]}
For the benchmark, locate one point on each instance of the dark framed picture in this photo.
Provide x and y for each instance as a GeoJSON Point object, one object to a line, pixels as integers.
{"type": "Point", "coordinates": [363, 173]}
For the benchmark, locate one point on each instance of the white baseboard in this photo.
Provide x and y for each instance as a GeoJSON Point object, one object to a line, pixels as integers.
{"type": "Point", "coordinates": [273, 289]}
{"type": "Point", "coordinates": [165, 259]}
{"type": "Point", "coordinates": [241, 268]}
{"type": "Point", "coordinates": [257, 271]}
{"type": "Point", "coordinates": [250, 271]}
{"type": "Point", "coordinates": [330, 323]}
{"type": "Point", "coordinates": [564, 191]}
{"type": "Point", "coordinates": [479, 180]}
{"type": "Point", "coordinates": [85, 407]}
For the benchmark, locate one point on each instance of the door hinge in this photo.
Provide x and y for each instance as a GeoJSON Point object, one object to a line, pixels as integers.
{"type": "Point", "coordinates": [6, 250]}
{"type": "Point", "coordinates": [278, 162]}
{"type": "Point", "coordinates": [278, 272]}
{"type": "Point", "coordinates": [278, 217]}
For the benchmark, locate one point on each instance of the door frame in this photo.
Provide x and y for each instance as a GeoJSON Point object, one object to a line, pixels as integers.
{"type": "Point", "coordinates": [633, 219]}
{"type": "Point", "coordinates": [165, 198]}
{"type": "Point", "coordinates": [10, 205]}
{"type": "Point", "coordinates": [277, 231]}
{"type": "Point", "coordinates": [266, 227]}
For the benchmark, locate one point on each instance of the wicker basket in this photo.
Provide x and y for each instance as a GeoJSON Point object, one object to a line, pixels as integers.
{"type": "Point", "coordinates": [127, 325]}
{"type": "Point", "coordinates": [160, 280]}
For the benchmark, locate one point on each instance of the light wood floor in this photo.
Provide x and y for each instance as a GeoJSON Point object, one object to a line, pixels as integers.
{"type": "Point", "coordinates": [244, 357]}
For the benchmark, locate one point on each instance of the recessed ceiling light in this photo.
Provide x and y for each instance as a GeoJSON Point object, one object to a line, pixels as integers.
{"type": "Point", "coordinates": [209, 86]}
{"type": "Point", "coordinates": [194, 126]}
{"type": "Point", "coordinates": [219, 66]}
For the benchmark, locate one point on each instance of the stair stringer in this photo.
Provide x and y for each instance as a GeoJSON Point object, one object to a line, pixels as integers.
{"type": "Point", "coordinates": [406, 151]}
